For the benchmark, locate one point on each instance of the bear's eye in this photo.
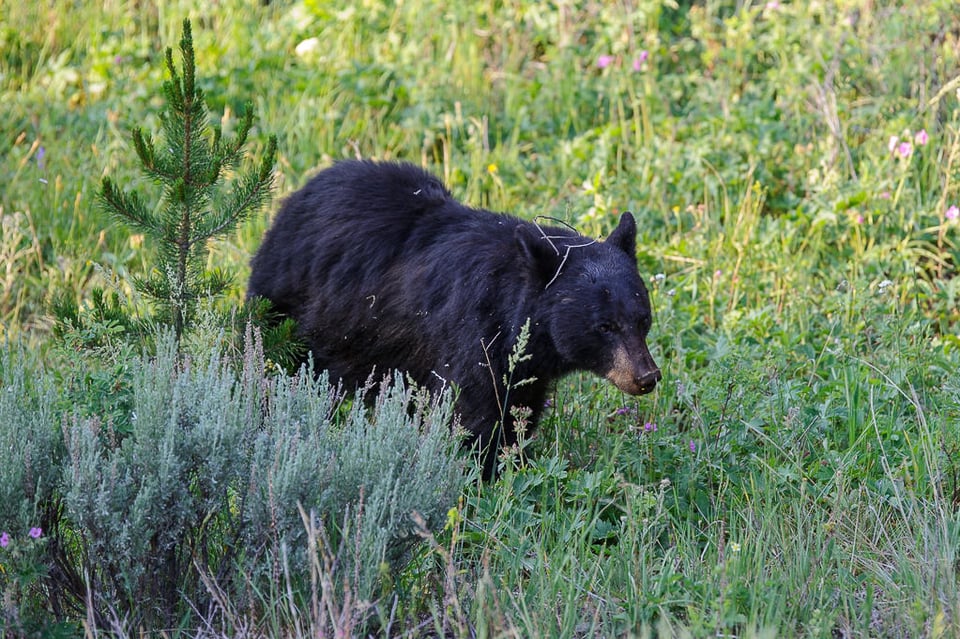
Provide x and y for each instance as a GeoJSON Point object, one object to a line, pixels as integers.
{"type": "Point", "coordinates": [607, 327]}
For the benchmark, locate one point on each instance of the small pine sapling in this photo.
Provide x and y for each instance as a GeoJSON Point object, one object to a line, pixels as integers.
{"type": "Point", "coordinates": [190, 164]}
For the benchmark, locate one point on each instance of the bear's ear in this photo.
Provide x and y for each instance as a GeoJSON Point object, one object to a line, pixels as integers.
{"type": "Point", "coordinates": [537, 252]}
{"type": "Point", "coordinates": [624, 237]}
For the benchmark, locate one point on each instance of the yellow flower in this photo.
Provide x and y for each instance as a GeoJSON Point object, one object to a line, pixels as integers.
{"type": "Point", "coordinates": [453, 518]}
{"type": "Point", "coordinates": [491, 168]}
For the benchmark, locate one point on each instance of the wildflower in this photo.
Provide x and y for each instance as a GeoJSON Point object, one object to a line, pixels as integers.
{"type": "Point", "coordinates": [693, 446]}
{"type": "Point", "coordinates": [308, 48]}
{"type": "Point", "coordinates": [548, 403]}
{"type": "Point", "coordinates": [624, 410]}
{"type": "Point", "coordinates": [4, 540]}
{"type": "Point", "coordinates": [639, 61]}
{"type": "Point", "coordinates": [604, 61]}
{"type": "Point", "coordinates": [659, 277]}
{"type": "Point", "coordinates": [885, 195]}
{"type": "Point", "coordinates": [35, 532]}
{"type": "Point", "coordinates": [773, 5]}
{"type": "Point", "coordinates": [649, 427]}
{"type": "Point", "coordinates": [892, 143]}
{"type": "Point", "coordinates": [717, 274]}
{"type": "Point", "coordinates": [905, 150]}
{"type": "Point", "coordinates": [921, 137]}
{"type": "Point", "coordinates": [41, 155]}
{"type": "Point", "coordinates": [859, 219]}
{"type": "Point", "coordinates": [491, 168]}
{"type": "Point", "coordinates": [952, 213]}
{"type": "Point", "coordinates": [734, 547]}
{"type": "Point", "coordinates": [884, 285]}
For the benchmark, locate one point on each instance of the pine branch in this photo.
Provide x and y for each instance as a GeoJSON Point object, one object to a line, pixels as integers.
{"type": "Point", "coordinates": [186, 50]}
{"type": "Point", "coordinates": [172, 86]}
{"type": "Point", "coordinates": [144, 148]}
{"type": "Point", "coordinates": [253, 192]}
{"type": "Point", "coordinates": [216, 281]}
{"type": "Point", "coordinates": [127, 207]}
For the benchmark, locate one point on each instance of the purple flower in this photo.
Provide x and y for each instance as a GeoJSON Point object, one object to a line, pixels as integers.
{"type": "Point", "coordinates": [693, 446]}
{"type": "Point", "coordinates": [921, 137]}
{"type": "Point", "coordinates": [35, 532]}
{"type": "Point", "coordinates": [41, 154]}
{"type": "Point", "coordinates": [952, 213]}
{"type": "Point", "coordinates": [624, 410]}
{"type": "Point", "coordinates": [4, 540]}
{"type": "Point", "coordinates": [649, 427]}
{"type": "Point", "coordinates": [605, 61]}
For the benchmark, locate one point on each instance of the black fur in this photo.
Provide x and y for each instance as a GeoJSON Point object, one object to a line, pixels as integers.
{"type": "Point", "coordinates": [383, 269]}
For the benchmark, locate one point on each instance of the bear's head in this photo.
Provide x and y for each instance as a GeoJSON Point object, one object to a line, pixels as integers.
{"type": "Point", "coordinates": [596, 308]}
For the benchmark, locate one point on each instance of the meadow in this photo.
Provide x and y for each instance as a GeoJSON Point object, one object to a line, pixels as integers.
{"type": "Point", "coordinates": [794, 168]}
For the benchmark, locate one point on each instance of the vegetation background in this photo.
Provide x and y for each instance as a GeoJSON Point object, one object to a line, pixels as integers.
{"type": "Point", "coordinates": [794, 167]}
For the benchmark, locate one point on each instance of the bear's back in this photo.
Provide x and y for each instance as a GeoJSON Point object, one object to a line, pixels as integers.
{"type": "Point", "coordinates": [352, 223]}
{"type": "Point", "coordinates": [362, 194]}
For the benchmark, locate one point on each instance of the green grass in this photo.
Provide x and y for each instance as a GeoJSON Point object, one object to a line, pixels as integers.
{"type": "Point", "coordinates": [804, 279]}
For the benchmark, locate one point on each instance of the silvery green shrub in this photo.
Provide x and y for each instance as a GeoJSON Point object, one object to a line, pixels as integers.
{"type": "Point", "coordinates": [30, 449]}
{"type": "Point", "coordinates": [209, 481]}
{"type": "Point", "coordinates": [29, 442]}
{"type": "Point", "coordinates": [368, 471]}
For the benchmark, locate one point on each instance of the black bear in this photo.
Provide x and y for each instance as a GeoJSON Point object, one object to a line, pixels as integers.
{"type": "Point", "coordinates": [383, 269]}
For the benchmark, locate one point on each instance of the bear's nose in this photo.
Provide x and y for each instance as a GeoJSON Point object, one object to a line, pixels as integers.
{"type": "Point", "coordinates": [648, 381]}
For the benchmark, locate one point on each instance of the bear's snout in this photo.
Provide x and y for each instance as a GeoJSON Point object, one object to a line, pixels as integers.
{"type": "Point", "coordinates": [648, 381]}
{"type": "Point", "coordinates": [634, 375]}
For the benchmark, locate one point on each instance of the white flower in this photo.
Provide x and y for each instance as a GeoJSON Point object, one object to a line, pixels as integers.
{"type": "Point", "coordinates": [308, 48]}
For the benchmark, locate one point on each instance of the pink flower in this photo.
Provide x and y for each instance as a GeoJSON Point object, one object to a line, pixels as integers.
{"type": "Point", "coordinates": [885, 195]}
{"type": "Point", "coordinates": [921, 137]}
{"type": "Point", "coordinates": [640, 60]}
{"type": "Point", "coordinates": [952, 213]}
{"type": "Point", "coordinates": [892, 143]}
{"type": "Point", "coordinates": [859, 219]}
{"type": "Point", "coordinates": [4, 540]}
{"type": "Point", "coordinates": [36, 532]}
{"type": "Point", "coordinates": [604, 61]}
{"type": "Point", "coordinates": [905, 150]}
